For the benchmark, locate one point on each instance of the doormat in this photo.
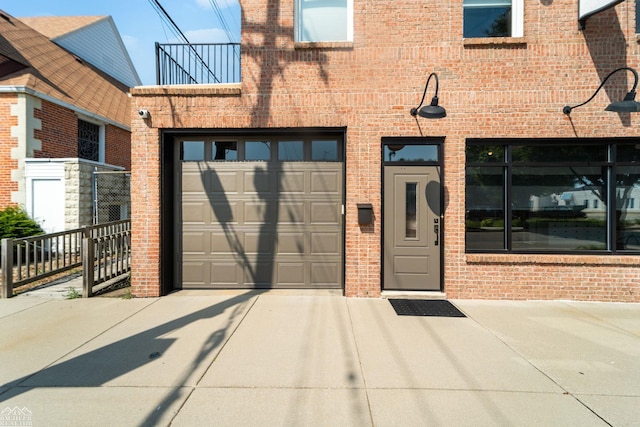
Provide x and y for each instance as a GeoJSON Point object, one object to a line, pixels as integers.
{"type": "Point", "coordinates": [425, 307]}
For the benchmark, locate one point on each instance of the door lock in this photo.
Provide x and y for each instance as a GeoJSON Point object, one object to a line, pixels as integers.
{"type": "Point", "coordinates": [436, 229]}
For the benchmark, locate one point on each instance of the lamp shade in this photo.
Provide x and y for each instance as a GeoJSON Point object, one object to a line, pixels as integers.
{"type": "Point", "coordinates": [433, 111]}
{"type": "Point", "coordinates": [627, 105]}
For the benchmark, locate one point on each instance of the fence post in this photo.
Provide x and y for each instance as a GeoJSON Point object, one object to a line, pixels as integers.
{"type": "Point", "coordinates": [6, 288]}
{"type": "Point", "coordinates": [88, 265]}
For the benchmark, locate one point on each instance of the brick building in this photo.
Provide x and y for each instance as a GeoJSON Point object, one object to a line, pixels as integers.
{"type": "Point", "coordinates": [310, 171]}
{"type": "Point", "coordinates": [57, 108]}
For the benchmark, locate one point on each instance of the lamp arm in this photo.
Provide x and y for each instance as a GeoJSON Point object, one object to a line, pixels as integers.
{"type": "Point", "coordinates": [414, 111]}
{"type": "Point", "coordinates": [567, 109]}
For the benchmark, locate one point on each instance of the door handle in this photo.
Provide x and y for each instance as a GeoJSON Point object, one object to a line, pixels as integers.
{"type": "Point", "coordinates": [436, 229]}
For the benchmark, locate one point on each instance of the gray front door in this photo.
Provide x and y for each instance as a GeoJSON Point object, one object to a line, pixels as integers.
{"type": "Point", "coordinates": [412, 228]}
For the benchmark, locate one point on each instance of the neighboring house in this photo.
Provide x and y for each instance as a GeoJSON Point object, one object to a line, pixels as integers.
{"type": "Point", "coordinates": [63, 116]}
{"type": "Point", "coordinates": [310, 172]}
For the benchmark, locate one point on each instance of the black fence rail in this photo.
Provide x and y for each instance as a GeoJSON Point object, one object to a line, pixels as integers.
{"type": "Point", "coordinates": [197, 63]}
{"type": "Point", "coordinates": [26, 260]}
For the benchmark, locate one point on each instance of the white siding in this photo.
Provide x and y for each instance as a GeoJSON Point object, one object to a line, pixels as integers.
{"type": "Point", "coordinates": [100, 44]}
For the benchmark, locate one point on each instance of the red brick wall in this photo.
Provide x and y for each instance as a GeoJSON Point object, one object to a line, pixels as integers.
{"type": "Point", "coordinates": [490, 88]}
{"type": "Point", "coordinates": [7, 164]}
{"type": "Point", "coordinates": [117, 146]}
{"type": "Point", "coordinates": [59, 136]}
{"type": "Point", "coordinates": [58, 133]}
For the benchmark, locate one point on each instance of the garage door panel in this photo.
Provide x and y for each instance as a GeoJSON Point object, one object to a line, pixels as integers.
{"type": "Point", "coordinates": [289, 273]}
{"type": "Point", "coordinates": [291, 213]}
{"type": "Point", "coordinates": [256, 213]}
{"type": "Point", "coordinates": [291, 182]}
{"type": "Point", "coordinates": [225, 273]}
{"type": "Point", "coordinates": [195, 273]}
{"type": "Point", "coordinates": [324, 273]}
{"type": "Point", "coordinates": [257, 182]}
{"type": "Point", "coordinates": [325, 243]}
{"type": "Point", "coordinates": [196, 213]}
{"type": "Point", "coordinates": [325, 213]}
{"type": "Point", "coordinates": [223, 212]}
{"type": "Point", "coordinates": [290, 244]}
{"type": "Point", "coordinates": [196, 242]}
{"type": "Point", "coordinates": [192, 182]}
{"type": "Point", "coordinates": [326, 182]}
{"type": "Point", "coordinates": [221, 182]}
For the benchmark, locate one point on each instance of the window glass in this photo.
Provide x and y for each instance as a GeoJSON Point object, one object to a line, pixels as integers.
{"type": "Point", "coordinates": [291, 150]}
{"type": "Point", "coordinates": [88, 141]}
{"type": "Point", "coordinates": [411, 216]}
{"type": "Point", "coordinates": [410, 153]}
{"type": "Point", "coordinates": [484, 216]}
{"type": "Point", "coordinates": [629, 153]}
{"type": "Point", "coordinates": [324, 150]}
{"type": "Point", "coordinates": [558, 153]}
{"type": "Point", "coordinates": [485, 153]}
{"type": "Point", "coordinates": [257, 150]}
{"type": "Point", "coordinates": [637, 16]}
{"type": "Point", "coordinates": [193, 151]}
{"type": "Point", "coordinates": [627, 210]}
{"type": "Point", "coordinates": [324, 20]}
{"type": "Point", "coordinates": [549, 202]}
{"type": "Point", "coordinates": [225, 150]}
{"type": "Point", "coordinates": [487, 18]}
{"type": "Point", "coordinates": [562, 198]}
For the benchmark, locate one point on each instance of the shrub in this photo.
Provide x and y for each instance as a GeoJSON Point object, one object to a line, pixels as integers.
{"type": "Point", "coordinates": [15, 222]}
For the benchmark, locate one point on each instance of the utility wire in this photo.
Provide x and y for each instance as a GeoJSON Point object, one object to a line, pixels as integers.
{"type": "Point", "coordinates": [165, 17]}
{"type": "Point", "coordinates": [222, 20]}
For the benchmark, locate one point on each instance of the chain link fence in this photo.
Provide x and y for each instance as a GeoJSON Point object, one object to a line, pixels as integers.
{"type": "Point", "coordinates": [111, 196]}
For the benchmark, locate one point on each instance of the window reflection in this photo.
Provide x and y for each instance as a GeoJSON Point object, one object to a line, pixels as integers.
{"type": "Point", "coordinates": [411, 210]}
{"type": "Point", "coordinates": [257, 150]}
{"type": "Point", "coordinates": [324, 150]}
{"type": "Point", "coordinates": [225, 150]}
{"type": "Point", "coordinates": [193, 151]}
{"type": "Point", "coordinates": [410, 153]}
{"type": "Point", "coordinates": [291, 150]}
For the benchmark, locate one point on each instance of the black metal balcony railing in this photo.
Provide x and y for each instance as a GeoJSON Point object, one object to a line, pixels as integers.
{"type": "Point", "coordinates": [197, 63]}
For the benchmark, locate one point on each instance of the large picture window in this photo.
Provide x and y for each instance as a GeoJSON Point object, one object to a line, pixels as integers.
{"type": "Point", "coordinates": [553, 196]}
{"type": "Point", "coordinates": [493, 18]}
{"type": "Point", "coordinates": [324, 20]}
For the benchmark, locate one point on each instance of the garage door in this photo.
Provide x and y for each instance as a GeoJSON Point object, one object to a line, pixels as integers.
{"type": "Point", "coordinates": [261, 213]}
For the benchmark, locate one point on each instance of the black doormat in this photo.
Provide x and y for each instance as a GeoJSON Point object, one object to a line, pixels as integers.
{"type": "Point", "coordinates": [425, 307]}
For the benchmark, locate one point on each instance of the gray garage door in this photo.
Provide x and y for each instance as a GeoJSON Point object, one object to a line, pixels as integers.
{"type": "Point", "coordinates": [261, 214]}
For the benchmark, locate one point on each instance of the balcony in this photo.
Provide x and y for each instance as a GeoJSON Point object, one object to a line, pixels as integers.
{"type": "Point", "coordinates": [193, 64]}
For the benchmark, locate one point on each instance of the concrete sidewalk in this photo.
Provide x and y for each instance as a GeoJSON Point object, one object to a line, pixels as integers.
{"type": "Point", "coordinates": [303, 359]}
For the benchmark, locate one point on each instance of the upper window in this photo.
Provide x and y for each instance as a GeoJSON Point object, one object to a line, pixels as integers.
{"type": "Point", "coordinates": [493, 18]}
{"type": "Point", "coordinates": [557, 196]}
{"type": "Point", "coordinates": [90, 141]}
{"type": "Point", "coordinates": [324, 20]}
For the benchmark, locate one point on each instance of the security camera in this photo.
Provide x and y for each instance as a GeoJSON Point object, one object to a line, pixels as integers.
{"type": "Point", "coordinates": [144, 114]}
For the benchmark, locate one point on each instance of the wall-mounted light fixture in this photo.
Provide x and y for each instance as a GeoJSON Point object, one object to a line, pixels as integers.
{"type": "Point", "coordinates": [627, 105]}
{"type": "Point", "coordinates": [433, 110]}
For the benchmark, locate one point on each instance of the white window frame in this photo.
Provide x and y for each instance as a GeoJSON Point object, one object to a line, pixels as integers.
{"type": "Point", "coordinates": [298, 24]}
{"type": "Point", "coordinates": [517, 15]}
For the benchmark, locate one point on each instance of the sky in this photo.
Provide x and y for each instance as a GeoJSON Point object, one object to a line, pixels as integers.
{"type": "Point", "coordinates": [139, 24]}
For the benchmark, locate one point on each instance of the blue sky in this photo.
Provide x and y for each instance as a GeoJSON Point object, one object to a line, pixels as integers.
{"type": "Point", "coordinates": [139, 24]}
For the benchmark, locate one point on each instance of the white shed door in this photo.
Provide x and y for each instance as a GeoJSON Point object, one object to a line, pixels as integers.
{"type": "Point", "coordinates": [47, 204]}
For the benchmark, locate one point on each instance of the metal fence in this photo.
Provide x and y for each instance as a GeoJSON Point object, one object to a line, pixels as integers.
{"type": "Point", "coordinates": [197, 63]}
{"type": "Point", "coordinates": [111, 196]}
{"type": "Point", "coordinates": [106, 247]}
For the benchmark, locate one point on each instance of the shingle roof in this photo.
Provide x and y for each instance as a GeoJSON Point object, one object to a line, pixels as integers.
{"type": "Point", "coordinates": [54, 71]}
{"type": "Point", "coordinates": [56, 26]}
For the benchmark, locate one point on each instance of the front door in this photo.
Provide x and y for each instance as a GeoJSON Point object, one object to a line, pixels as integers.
{"type": "Point", "coordinates": [412, 228]}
